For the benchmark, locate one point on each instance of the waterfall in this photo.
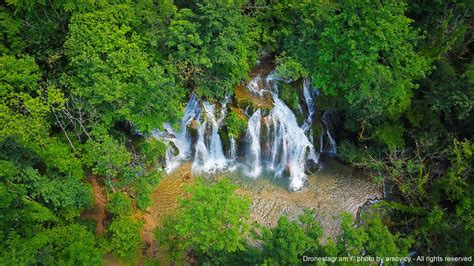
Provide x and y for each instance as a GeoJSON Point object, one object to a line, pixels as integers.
{"type": "Point", "coordinates": [327, 121]}
{"type": "Point", "coordinates": [201, 156]}
{"type": "Point", "coordinates": [332, 144]}
{"type": "Point", "coordinates": [233, 149]}
{"type": "Point", "coordinates": [179, 143]}
{"type": "Point", "coordinates": [208, 151]}
{"type": "Point", "coordinates": [254, 160]}
{"type": "Point", "coordinates": [309, 98]}
{"type": "Point", "coordinates": [289, 144]}
{"type": "Point", "coordinates": [321, 143]}
{"type": "Point", "coordinates": [210, 158]}
{"type": "Point", "coordinates": [274, 143]}
{"type": "Point", "coordinates": [309, 95]}
{"type": "Point", "coordinates": [255, 86]}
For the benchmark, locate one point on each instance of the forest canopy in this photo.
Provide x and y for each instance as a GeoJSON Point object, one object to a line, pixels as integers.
{"type": "Point", "coordinates": [82, 83]}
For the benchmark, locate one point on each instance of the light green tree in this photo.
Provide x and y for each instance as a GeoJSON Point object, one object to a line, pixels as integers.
{"type": "Point", "coordinates": [212, 222]}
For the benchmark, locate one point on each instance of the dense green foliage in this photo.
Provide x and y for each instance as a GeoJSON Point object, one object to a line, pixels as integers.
{"type": "Point", "coordinates": [375, 72]}
{"type": "Point", "coordinates": [211, 44]}
{"type": "Point", "coordinates": [124, 238]}
{"type": "Point", "coordinates": [236, 124]}
{"type": "Point", "coordinates": [209, 206]}
{"type": "Point", "coordinates": [111, 70]}
{"type": "Point", "coordinates": [290, 240]}
{"type": "Point", "coordinates": [119, 204]}
{"type": "Point", "coordinates": [81, 81]}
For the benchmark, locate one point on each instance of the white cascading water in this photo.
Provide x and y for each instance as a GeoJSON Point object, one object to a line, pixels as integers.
{"type": "Point", "coordinates": [201, 155]}
{"type": "Point", "coordinates": [275, 143]}
{"type": "Point", "coordinates": [332, 150]}
{"type": "Point", "coordinates": [289, 144]}
{"type": "Point", "coordinates": [210, 158]}
{"type": "Point", "coordinates": [253, 132]}
{"type": "Point", "coordinates": [255, 86]}
{"type": "Point", "coordinates": [309, 95]}
{"type": "Point", "coordinates": [332, 143]}
{"type": "Point", "coordinates": [179, 143]}
{"type": "Point", "coordinates": [208, 151]}
{"type": "Point", "coordinates": [233, 149]}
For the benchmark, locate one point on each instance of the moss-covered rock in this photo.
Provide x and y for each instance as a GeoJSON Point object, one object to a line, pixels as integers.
{"type": "Point", "coordinates": [245, 98]}
{"type": "Point", "coordinates": [236, 122]}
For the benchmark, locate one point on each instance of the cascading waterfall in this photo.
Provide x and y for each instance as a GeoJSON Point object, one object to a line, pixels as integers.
{"type": "Point", "coordinates": [213, 159]}
{"type": "Point", "coordinates": [233, 149]}
{"type": "Point", "coordinates": [254, 160]}
{"type": "Point", "coordinates": [327, 121]}
{"type": "Point", "coordinates": [179, 143]}
{"type": "Point", "coordinates": [201, 155]}
{"type": "Point", "coordinates": [309, 95]}
{"type": "Point", "coordinates": [255, 84]}
{"type": "Point", "coordinates": [289, 145]}
{"type": "Point", "coordinates": [207, 152]}
{"type": "Point", "coordinates": [274, 142]}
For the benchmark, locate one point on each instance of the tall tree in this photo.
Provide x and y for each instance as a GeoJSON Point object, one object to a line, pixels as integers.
{"type": "Point", "coordinates": [212, 222]}
{"type": "Point", "coordinates": [366, 55]}
{"type": "Point", "coordinates": [112, 75]}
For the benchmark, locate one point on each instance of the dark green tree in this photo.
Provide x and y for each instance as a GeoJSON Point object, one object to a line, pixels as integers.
{"type": "Point", "coordinates": [288, 241]}
{"type": "Point", "coordinates": [366, 55]}
{"type": "Point", "coordinates": [112, 75]}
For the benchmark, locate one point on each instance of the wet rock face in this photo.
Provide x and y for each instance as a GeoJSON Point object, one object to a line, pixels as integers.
{"type": "Point", "coordinates": [251, 95]}
{"type": "Point", "coordinates": [312, 167]}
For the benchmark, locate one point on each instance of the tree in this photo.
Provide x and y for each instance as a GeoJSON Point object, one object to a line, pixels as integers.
{"type": "Point", "coordinates": [370, 238]}
{"type": "Point", "coordinates": [213, 46]}
{"type": "Point", "coordinates": [352, 238]}
{"type": "Point", "coordinates": [113, 75]}
{"type": "Point", "coordinates": [124, 238]}
{"type": "Point", "coordinates": [431, 199]}
{"type": "Point", "coordinates": [116, 84]}
{"type": "Point", "coordinates": [12, 42]}
{"type": "Point", "coordinates": [382, 243]}
{"type": "Point", "coordinates": [52, 174]}
{"type": "Point", "coordinates": [119, 204]}
{"type": "Point", "coordinates": [287, 242]}
{"type": "Point", "coordinates": [63, 245]}
{"type": "Point", "coordinates": [40, 177]}
{"type": "Point", "coordinates": [292, 29]}
{"type": "Point", "coordinates": [366, 55]}
{"type": "Point", "coordinates": [212, 222]}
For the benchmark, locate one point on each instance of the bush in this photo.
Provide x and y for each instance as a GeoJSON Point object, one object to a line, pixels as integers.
{"type": "Point", "coordinates": [119, 204]}
{"type": "Point", "coordinates": [289, 96]}
{"type": "Point", "coordinates": [236, 124]}
{"type": "Point", "coordinates": [289, 68]}
{"type": "Point", "coordinates": [124, 238]}
{"type": "Point", "coordinates": [213, 223]}
{"type": "Point", "coordinates": [152, 150]}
